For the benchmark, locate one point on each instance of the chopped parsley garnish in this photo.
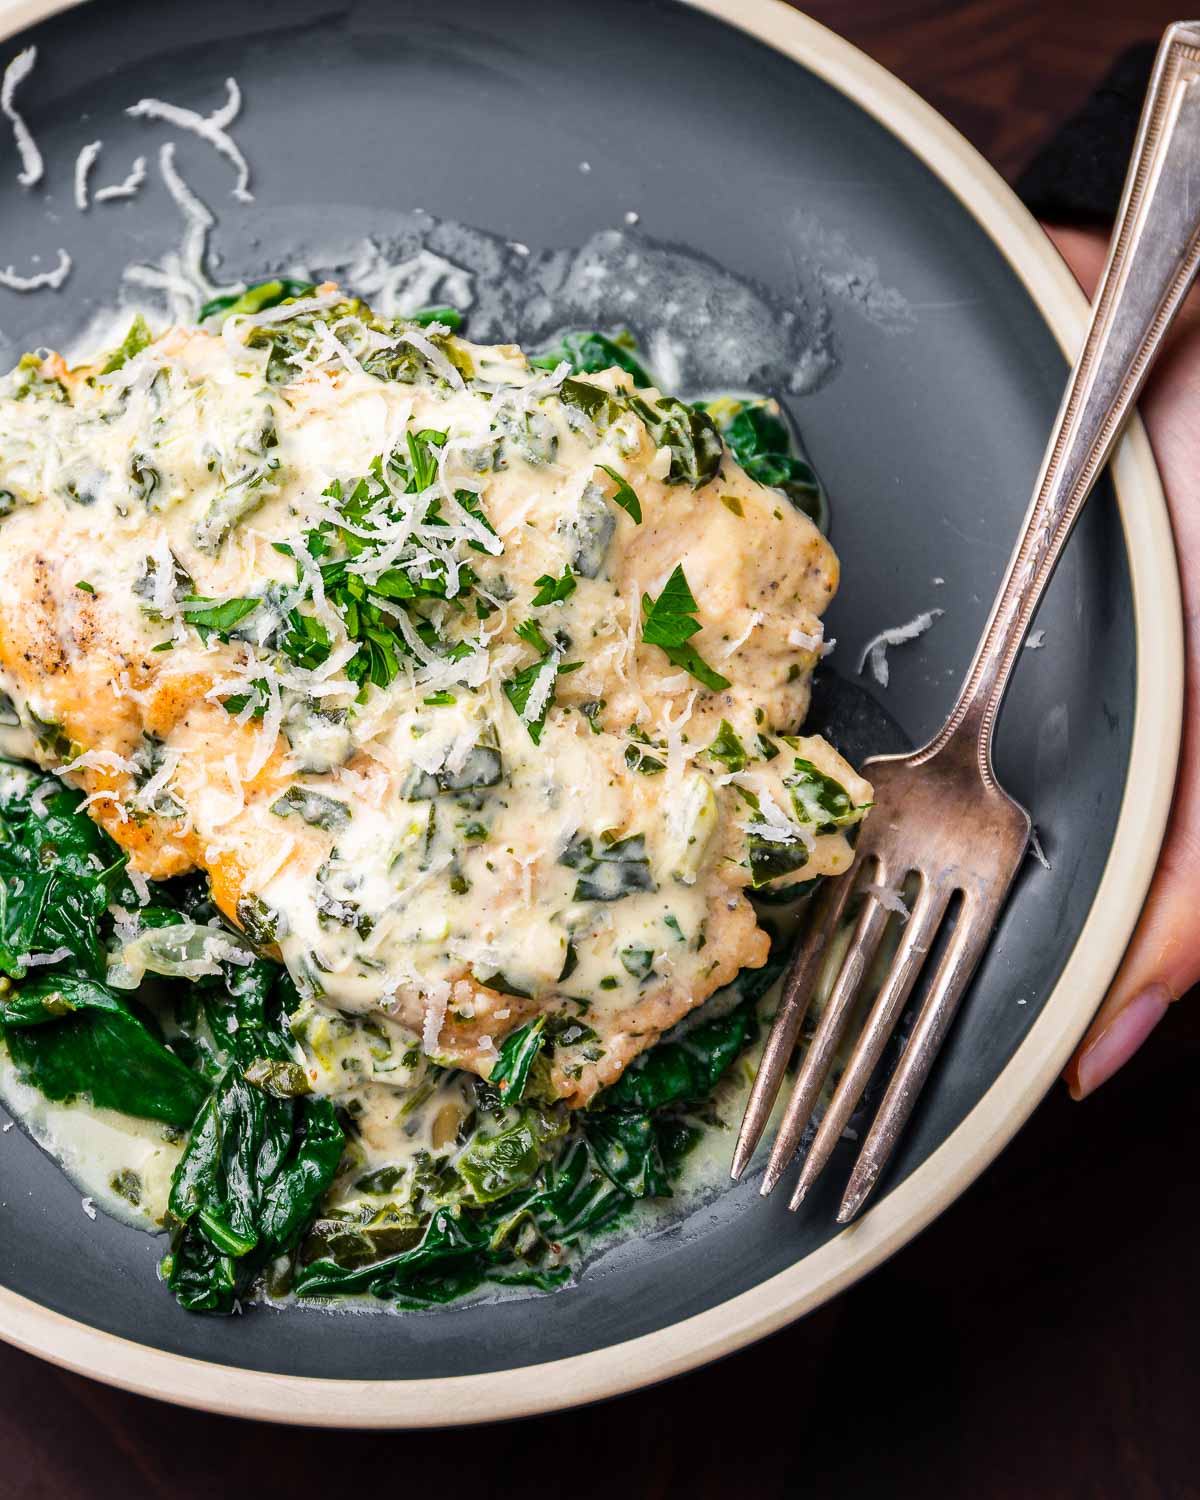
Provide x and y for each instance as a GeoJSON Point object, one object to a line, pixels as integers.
{"type": "Point", "coordinates": [530, 632]}
{"type": "Point", "coordinates": [670, 623]}
{"type": "Point", "coordinates": [307, 642]}
{"type": "Point", "coordinates": [216, 616]}
{"type": "Point", "coordinates": [625, 496]}
{"type": "Point", "coordinates": [551, 590]}
{"type": "Point", "coordinates": [531, 691]}
{"type": "Point", "coordinates": [371, 602]}
{"type": "Point", "coordinates": [85, 586]}
{"type": "Point", "coordinates": [260, 697]}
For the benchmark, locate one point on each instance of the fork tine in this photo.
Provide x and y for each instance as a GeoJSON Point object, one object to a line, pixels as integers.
{"type": "Point", "coordinates": [798, 985]}
{"type": "Point", "coordinates": [927, 912]}
{"type": "Point", "coordinates": [957, 964]}
{"type": "Point", "coordinates": [819, 1054]}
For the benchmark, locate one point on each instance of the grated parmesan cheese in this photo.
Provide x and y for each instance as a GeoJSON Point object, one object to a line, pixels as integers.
{"type": "Point", "coordinates": [125, 189]}
{"type": "Point", "coordinates": [52, 279]}
{"type": "Point", "coordinates": [896, 635]}
{"type": "Point", "coordinates": [84, 163]}
{"type": "Point", "coordinates": [435, 1015]}
{"type": "Point", "coordinates": [212, 128]}
{"type": "Point", "coordinates": [889, 900]}
{"type": "Point", "coordinates": [755, 621]}
{"type": "Point", "coordinates": [140, 884]}
{"type": "Point", "coordinates": [1035, 848]}
{"type": "Point", "coordinates": [15, 74]}
{"type": "Point", "coordinates": [98, 760]}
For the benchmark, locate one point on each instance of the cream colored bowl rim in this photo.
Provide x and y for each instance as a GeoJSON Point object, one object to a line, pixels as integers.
{"type": "Point", "coordinates": [1035, 1065]}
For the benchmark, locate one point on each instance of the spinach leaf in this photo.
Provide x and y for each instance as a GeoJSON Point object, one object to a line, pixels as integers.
{"type": "Point", "coordinates": [216, 615]}
{"type": "Point", "coordinates": [687, 431]}
{"type": "Point", "coordinates": [257, 1164]}
{"type": "Point", "coordinates": [256, 298]}
{"type": "Point", "coordinates": [627, 1150]}
{"type": "Point", "coordinates": [728, 748]}
{"type": "Point", "coordinates": [58, 872]}
{"type": "Point", "coordinates": [669, 623]}
{"type": "Point", "coordinates": [498, 1162]}
{"type": "Point", "coordinates": [313, 808]}
{"type": "Point", "coordinates": [482, 768]}
{"type": "Point", "coordinates": [510, 1072]}
{"type": "Point", "coordinates": [770, 858]}
{"type": "Point", "coordinates": [448, 317]}
{"type": "Point", "coordinates": [588, 353]}
{"type": "Point", "coordinates": [71, 1037]}
{"type": "Point", "coordinates": [818, 798]}
{"type": "Point", "coordinates": [690, 434]}
{"type": "Point", "coordinates": [460, 1247]}
{"type": "Point", "coordinates": [760, 440]}
{"type": "Point", "coordinates": [608, 871]}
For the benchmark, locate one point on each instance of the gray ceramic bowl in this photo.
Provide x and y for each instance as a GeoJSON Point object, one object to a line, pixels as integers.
{"type": "Point", "coordinates": [755, 139]}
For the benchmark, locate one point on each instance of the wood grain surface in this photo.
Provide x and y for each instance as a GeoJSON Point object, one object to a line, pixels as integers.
{"type": "Point", "coordinates": [1040, 1340]}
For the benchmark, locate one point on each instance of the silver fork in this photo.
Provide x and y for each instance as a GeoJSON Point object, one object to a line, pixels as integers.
{"type": "Point", "coordinates": [940, 818]}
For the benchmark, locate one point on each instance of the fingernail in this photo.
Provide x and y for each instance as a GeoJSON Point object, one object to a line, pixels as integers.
{"type": "Point", "coordinates": [1117, 1043]}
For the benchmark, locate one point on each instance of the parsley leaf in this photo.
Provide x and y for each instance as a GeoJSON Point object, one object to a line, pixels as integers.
{"type": "Point", "coordinates": [219, 615]}
{"type": "Point", "coordinates": [260, 697]}
{"type": "Point", "coordinates": [669, 624]}
{"type": "Point", "coordinates": [307, 642]}
{"type": "Point", "coordinates": [625, 497]}
{"type": "Point", "coordinates": [519, 689]}
{"type": "Point", "coordinates": [530, 632]}
{"type": "Point", "coordinates": [551, 590]}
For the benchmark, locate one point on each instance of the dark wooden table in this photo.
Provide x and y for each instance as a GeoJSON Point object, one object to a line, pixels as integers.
{"type": "Point", "coordinates": [1047, 1328]}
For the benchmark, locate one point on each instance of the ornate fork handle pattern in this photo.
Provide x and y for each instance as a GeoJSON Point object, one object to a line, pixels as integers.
{"type": "Point", "coordinates": [1146, 278]}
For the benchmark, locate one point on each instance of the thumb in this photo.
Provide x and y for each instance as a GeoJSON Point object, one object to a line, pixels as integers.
{"type": "Point", "coordinates": [1163, 959]}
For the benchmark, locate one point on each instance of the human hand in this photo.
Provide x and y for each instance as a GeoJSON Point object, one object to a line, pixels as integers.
{"type": "Point", "coordinates": [1163, 958]}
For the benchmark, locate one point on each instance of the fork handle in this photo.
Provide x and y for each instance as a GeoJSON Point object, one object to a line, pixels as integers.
{"type": "Point", "coordinates": [1151, 263]}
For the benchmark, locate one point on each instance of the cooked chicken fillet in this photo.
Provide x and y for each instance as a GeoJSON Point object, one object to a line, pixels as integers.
{"type": "Point", "coordinates": [383, 631]}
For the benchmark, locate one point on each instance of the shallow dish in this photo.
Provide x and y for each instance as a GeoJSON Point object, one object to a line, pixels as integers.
{"type": "Point", "coordinates": [935, 315]}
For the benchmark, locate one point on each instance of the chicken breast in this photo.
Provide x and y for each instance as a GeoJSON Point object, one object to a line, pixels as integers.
{"type": "Point", "coordinates": [471, 686]}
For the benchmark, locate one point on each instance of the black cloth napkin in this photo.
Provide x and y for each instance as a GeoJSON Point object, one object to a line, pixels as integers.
{"type": "Point", "coordinates": [1078, 175]}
